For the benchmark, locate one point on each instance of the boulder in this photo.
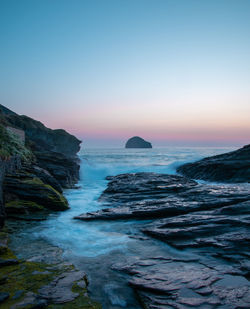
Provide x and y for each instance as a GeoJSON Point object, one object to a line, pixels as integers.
{"type": "Point", "coordinates": [137, 142]}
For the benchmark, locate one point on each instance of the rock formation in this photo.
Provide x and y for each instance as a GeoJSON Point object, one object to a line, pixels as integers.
{"type": "Point", "coordinates": [137, 142]}
{"type": "Point", "coordinates": [229, 167]}
{"type": "Point", "coordinates": [36, 163]}
{"type": "Point", "coordinates": [33, 284]}
{"type": "Point", "coordinates": [209, 223]}
{"type": "Point", "coordinates": [47, 162]}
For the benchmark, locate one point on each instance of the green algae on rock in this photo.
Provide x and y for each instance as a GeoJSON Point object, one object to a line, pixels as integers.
{"type": "Point", "coordinates": [22, 207]}
{"type": "Point", "coordinates": [21, 282]}
{"type": "Point", "coordinates": [11, 145]}
{"type": "Point", "coordinates": [22, 186]}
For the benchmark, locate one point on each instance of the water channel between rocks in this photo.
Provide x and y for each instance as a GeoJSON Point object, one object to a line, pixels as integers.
{"type": "Point", "coordinates": [98, 247]}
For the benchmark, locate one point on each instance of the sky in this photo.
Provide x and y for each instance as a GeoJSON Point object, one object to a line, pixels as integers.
{"type": "Point", "coordinates": [175, 72]}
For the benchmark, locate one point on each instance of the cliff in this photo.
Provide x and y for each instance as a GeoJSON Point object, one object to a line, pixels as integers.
{"type": "Point", "coordinates": [36, 163]}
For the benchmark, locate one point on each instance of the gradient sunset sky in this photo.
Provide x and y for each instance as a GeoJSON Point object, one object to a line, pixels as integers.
{"type": "Point", "coordinates": [176, 72]}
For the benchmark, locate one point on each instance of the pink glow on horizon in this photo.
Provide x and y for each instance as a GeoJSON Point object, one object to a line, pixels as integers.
{"type": "Point", "coordinates": [122, 122]}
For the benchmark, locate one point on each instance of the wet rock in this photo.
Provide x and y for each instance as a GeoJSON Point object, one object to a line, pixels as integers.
{"type": "Point", "coordinates": [18, 294]}
{"type": "Point", "coordinates": [208, 221]}
{"type": "Point", "coordinates": [82, 284]}
{"type": "Point", "coordinates": [227, 233]}
{"type": "Point", "coordinates": [4, 296]}
{"type": "Point", "coordinates": [45, 176]}
{"type": "Point", "coordinates": [3, 279]}
{"type": "Point", "coordinates": [174, 284]}
{"type": "Point", "coordinates": [22, 186]}
{"type": "Point", "coordinates": [36, 272]}
{"type": "Point", "coordinates": [8, 262]}
{"type": "Point", "coordinates": [31, 300]}
{"type": "Point", "coordinates": [150, 195]}
{"type": "Point", "coordinates": [63, 168]}
{"type": "Point", "coordinates": [229, 167]}
{"type": "Point", "coordinates": [59, 290]}
{"type": "Point", "coordinates": [140, 186]}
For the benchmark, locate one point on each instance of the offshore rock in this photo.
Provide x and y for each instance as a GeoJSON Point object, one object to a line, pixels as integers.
{"type": "Point", "coordinates": [229, 167]}
{"type": "Point", "coordinates": [137, 142]}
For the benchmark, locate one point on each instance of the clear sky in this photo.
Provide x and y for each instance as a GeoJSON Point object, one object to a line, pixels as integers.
{"type": "Point", "coordinates": [172, 71]}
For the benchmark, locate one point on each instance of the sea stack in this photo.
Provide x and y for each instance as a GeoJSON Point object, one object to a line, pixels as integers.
{"type": "Point", "coordinates": [137, 142]}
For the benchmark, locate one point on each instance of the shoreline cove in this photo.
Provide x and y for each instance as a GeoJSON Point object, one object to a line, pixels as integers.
{"type": "Point", "coordinates": [95, 247]}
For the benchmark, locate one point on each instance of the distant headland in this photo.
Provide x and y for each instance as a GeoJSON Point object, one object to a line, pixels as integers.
{"type": "Point", "coordinates": [137, 142]}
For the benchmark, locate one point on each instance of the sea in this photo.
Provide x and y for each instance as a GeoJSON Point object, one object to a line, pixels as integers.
{"type": "Point", "coordinates": [100, 247]}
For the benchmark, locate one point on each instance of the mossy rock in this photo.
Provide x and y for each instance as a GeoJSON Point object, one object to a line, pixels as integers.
{"type": "Point", "coordinates": [35, 192]}
{"type": "Point", "coordinates": [11, 145]}
{"type": "Point", "coordinates": [27, 277]}
{"type": "Point", "coordinates": [23, 278]}
{"type": "Point", "coordinates": [22, 207]}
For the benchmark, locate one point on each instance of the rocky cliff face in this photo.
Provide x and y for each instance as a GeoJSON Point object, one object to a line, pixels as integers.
{"type": "Point", "coordinates": [41, 138]}
{"type": "Point", "coordinates": [6, 167]}
{"type": "Point", "coordinates": [47, 163]}
{"type": "Point", "coordinates": [229, 167]}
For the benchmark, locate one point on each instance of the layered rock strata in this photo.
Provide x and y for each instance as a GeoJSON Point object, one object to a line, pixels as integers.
{"type": "Point", "coordinates": [47, 164]}
{"type": "Point", "coordinates": [207, 225]}
{"type": "Point", "coordinates": [232, 167]}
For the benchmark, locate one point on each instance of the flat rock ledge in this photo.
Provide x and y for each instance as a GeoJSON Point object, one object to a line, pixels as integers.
{"type": "Point", "coordinates": [207, 225]}
{"type": "Point", "coordinates": [29, 284]}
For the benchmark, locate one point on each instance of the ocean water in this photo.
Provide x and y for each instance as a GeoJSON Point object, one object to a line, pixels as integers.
{"type": "Point", "coordinates": [97, 247]}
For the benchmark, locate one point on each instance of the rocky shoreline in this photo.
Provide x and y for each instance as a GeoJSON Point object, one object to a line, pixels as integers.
{"type": "Point", "coordinates": [209, 223]}
{"type": "Point", "coordinates": [206, 223]}
{"type": "Point", "coordinates": [36, 164]}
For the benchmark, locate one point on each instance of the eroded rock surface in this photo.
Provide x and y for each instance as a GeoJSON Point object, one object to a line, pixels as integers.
{"type": "Point", "coordinates": [208, 224]}
{"type": "Point", "coordinates": [150, 195]}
